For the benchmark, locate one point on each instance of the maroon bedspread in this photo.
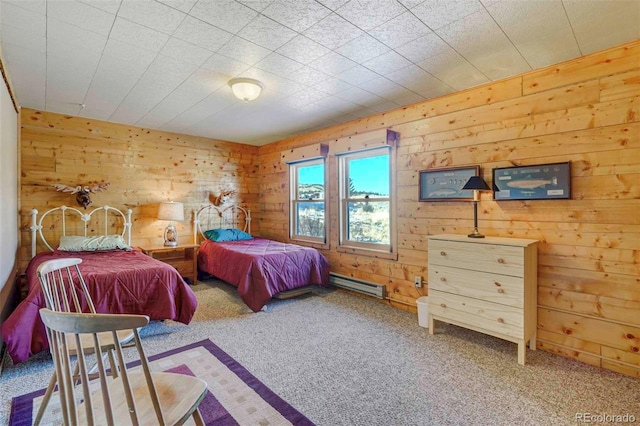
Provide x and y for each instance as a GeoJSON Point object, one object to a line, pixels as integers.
{"type": "Point", "coordinates": [261, 268]}
{"type": "Point", "coordinates": [119, 282]}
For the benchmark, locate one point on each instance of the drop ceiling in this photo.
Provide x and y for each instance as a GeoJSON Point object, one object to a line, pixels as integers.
{"type": "Point", "coordinates": [165, 64]}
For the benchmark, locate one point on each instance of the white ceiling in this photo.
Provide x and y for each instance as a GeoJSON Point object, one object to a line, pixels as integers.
{"type": "Point", "coordinates": [165, 64]}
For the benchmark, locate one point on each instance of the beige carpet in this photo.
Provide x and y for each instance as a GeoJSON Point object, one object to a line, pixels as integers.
{"type": "Point", "coordinates": [345, 360]}
{"type": "Point", "coordinates": [234, 395]}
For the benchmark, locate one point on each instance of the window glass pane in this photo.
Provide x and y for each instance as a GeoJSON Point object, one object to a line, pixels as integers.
{"type": "Point", "coordinates": [368, 222]}
{"type": "Point", "coordinates": [369, 176]}
{"type": "Point", "coordinates": [310, 219]}
{"type": "Point", "coordinates": [310, 182]}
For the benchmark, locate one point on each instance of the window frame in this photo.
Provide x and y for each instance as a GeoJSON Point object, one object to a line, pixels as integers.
{"type": "Point", "coordinates": [358, 247]}
{"type": "Point", "coordinates": [294, 202]}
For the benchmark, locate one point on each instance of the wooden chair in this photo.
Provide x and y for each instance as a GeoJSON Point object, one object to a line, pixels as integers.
{"type": "Point", "coordinates": [65, 290]}
{"type": "Point", "coordinates": [140, 397]}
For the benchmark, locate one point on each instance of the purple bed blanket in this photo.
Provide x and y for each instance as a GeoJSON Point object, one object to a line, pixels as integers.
{"type": "Point", "coordinates": [126, 282]}
{"type": "Point", "coordinates": [262, 268]}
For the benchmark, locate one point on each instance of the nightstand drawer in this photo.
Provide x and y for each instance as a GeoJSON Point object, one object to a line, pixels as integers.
{"type": "Point", "coordinates": [174, 254]}
{"type": "Point", "coordinates": [503, 289]}
{"type": "Point", "coordinates": [184, 267]}
{"type": "Point", "coordinates": [184, 258]}
{"type": "Point", "coordinates": [501, 259]}
{"type": "Point", "coordinates": [492, 317]}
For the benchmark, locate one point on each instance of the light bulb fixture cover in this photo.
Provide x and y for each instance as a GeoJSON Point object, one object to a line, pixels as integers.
{"type": "Point", "coordinates": [477, 184]}
{"type": "Point", "coordinates": [246, 89]}
{"type": "Point", "coordinates": [171, 211]}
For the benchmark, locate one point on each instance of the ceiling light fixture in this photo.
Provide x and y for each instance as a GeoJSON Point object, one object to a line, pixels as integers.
{"type": "Point", "coordinates": [246, 89]}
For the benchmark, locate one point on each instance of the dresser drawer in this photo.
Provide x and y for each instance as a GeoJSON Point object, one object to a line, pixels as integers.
{"type": "Point", "coordinates": [501, 259]}
{"type": "Point", "coordinates": [502, 289]}
{"type": "Point", "coordinates": [479, 314]}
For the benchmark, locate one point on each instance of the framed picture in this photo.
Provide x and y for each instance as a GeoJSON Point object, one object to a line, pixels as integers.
{"type": "Point", "coordinates": [446, 184]}
{"type": "Point", "coordinates": [542, 182]}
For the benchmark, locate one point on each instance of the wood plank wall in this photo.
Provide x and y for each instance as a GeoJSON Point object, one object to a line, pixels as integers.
{"type": "Point", "coordinates": [143, 166]}
{"type": "Point", "coordinates": [586, 111]}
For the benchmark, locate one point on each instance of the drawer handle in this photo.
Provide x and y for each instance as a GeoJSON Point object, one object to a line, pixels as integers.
{"type": "Point", "coordinates": [500, 320]}
{"type": "Point", "coordinates": [501, 290]}
{"type": "Point", "coordinates": [442, 305]}
{"type": "Point", "coordinates": [442, 253]}
{"type": "Point", "coordinates": [443, 279]}
{"type": "Point", "coordinates": [497, 283]}
{"type": "Point", "coordinates": [501, 260]}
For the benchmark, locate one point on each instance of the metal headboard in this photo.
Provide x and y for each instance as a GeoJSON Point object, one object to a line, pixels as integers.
{"type": "Point", "coordinates": [36, 224]}
{"type": "Point", "coordinates": [213, 217]}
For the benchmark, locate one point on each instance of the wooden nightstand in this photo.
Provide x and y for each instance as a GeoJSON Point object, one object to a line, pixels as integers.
{"type": "Point", "coordinates": [183, 257]}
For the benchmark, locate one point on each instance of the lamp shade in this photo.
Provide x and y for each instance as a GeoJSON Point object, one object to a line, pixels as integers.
{"type": "Point", "coordinates": [246, 89]}
{"type": "Point", "coordinates": [171, 210]}
{"type": "Point", "coordinates": [476, 183]}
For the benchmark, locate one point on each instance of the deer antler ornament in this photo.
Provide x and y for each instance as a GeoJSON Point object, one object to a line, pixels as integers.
{"type": "Point", "coordinates": [83, 198]}
{"type": "Point", "coordinates": [218, 200]}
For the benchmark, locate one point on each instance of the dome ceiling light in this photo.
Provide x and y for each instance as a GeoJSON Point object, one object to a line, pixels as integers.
{"type": "Point", "coordinates": [246, 89]}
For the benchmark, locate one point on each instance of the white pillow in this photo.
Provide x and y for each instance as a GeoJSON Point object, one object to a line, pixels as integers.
{"type": "Point", "coordinates": [95, 243]}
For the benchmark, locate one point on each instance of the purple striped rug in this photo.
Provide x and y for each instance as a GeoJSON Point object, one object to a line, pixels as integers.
{"type": "Point", "coordinates": [235, 397]}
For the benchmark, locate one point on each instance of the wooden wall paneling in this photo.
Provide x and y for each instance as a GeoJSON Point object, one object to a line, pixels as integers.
{"type": "Point", "coordinates": [621, 356]}
{"type": "Point", "coordinates": [620, 86]}
{"type": "Point", "coordinates": [569, 342]}
{"type": "Point", "coordinates": [618, 286]}
{"type": "Point", "coordinates": [143, 166]}
{"type": "Point", "coordinates": [616, 335]}
{"type": "Point", "coordinates": [589, 117]}
{"type": "Point", "coordinates": [518, 151]}
{"type": "Point", "coordinates": [570, 353]}
{"type": "Point", "coordinates": [611, 61]}
{"type": "Point", "coordinates": [493, 116]}
{"type": "Point", "coordinates": [629, 370]}
{"type": "Point", "coordinates": [586, 111]}
{"type": "Point", "coordinates": [624, 311]}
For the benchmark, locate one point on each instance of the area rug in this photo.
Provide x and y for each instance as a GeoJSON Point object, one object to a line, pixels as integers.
{"type": "Point", "coordinates": [235, 396]}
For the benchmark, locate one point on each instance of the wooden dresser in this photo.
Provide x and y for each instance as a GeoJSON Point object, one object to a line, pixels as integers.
{"type": "Point", "coordinates": [485, 284]}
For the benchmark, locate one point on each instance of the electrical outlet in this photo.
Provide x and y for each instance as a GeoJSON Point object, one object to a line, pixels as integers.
{"type": "Point", "coordinates": [417, 281]}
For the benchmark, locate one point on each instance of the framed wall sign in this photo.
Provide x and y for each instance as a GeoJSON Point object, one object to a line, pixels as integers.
{"type": "Point", "coordinates": [446, 184]}
{"type": "Point", "coordinates": [542, 182]}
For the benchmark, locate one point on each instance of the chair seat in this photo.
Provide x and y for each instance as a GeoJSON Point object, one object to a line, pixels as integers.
{"type": "Point", "coordinates": [177, 394]}
{"type": "Point", "coordinates": [106, 340]}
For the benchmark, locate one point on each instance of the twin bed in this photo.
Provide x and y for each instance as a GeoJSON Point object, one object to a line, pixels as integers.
{"type": "Point", "coordinates": [259, 268]}
{"type": "Point", "coordinates": [120, 281]}
{"type": "Point", "coordinates": [128, 281]}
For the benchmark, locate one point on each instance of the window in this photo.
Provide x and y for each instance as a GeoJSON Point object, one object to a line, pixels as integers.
{"type": "Point", "coordinates": [308, 201]}
{"type": "Point", "coordinates": [365, 202]}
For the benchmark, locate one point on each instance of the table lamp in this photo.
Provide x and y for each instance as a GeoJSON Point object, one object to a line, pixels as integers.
{"type": "Point", "coordinates": [477, 184]}
{"type": "Point", "coordinates": [171, 211]}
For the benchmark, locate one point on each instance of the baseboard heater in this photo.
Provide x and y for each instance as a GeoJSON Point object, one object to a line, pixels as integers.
{"type": "Point", "coordinates": [354, 284]}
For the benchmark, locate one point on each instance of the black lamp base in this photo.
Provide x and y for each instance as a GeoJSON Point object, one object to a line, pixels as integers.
{"type": "Point", "coordinates": [475, 233]}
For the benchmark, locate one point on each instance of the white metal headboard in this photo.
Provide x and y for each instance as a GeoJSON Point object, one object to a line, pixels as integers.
{"type": "Point", "coordinates": [213, 217]}
{"type": "Point", "coordinates": [36, 224]}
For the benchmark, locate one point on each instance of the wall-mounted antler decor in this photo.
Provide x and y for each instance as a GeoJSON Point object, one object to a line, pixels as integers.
{"type": "Point", "coordinates": [218, 200]}
{"type": "Point", "coordinates": [83, 198]}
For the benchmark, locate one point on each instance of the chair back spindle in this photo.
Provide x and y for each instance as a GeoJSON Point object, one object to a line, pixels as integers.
{"type": "Point", "coordinates": [64, 286]}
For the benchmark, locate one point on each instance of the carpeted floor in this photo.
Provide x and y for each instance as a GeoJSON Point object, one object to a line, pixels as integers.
{"type": "Point", "coordinates": [346, 360]}
{"type": "Point", "coordinates": [234, 395]}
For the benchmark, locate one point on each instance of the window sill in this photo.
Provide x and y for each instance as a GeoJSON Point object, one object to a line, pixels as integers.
{"type": "Point", "coordinates": [365, 252]}
{"type": "Point", "coordinates": [315, 245]}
